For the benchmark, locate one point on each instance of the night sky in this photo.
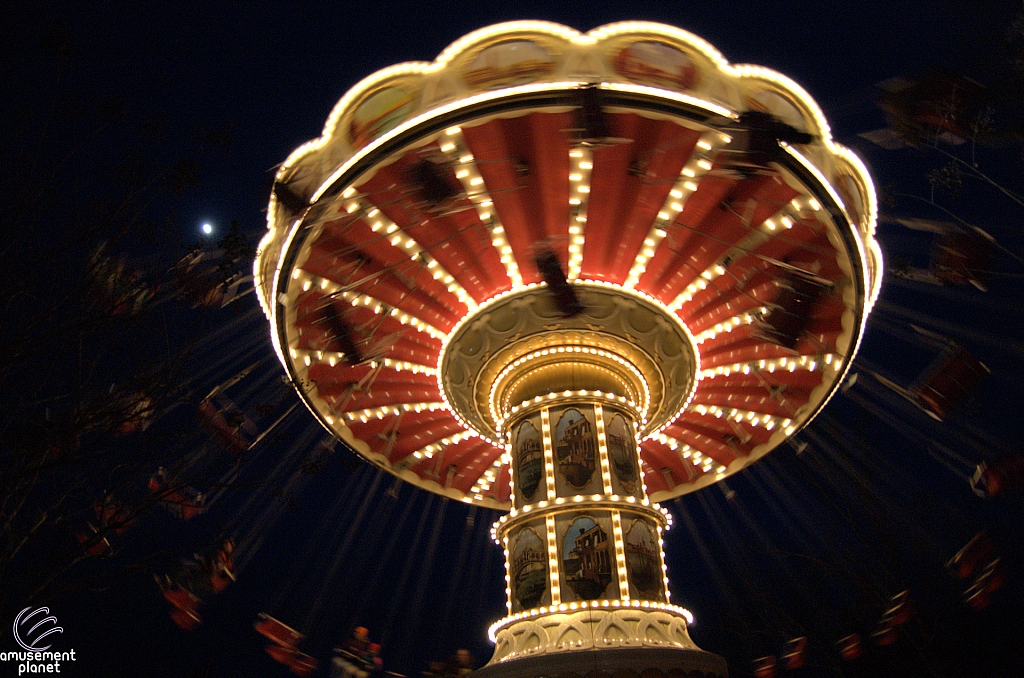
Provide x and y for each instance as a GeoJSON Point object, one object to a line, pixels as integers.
{"type": "Point", "coordinates": [808, 545]}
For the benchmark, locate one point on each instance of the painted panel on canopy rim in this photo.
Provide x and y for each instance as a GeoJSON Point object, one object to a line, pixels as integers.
{"type": "Point", "coordinates": [654, 63]}
{"type": "Point", "coordinates": [380, 113]}
{"type": "Point", "coordinates": [508, 63]}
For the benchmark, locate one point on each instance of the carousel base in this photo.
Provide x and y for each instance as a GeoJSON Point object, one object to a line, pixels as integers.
{"type": "Point", "coordinates": [619, 662]}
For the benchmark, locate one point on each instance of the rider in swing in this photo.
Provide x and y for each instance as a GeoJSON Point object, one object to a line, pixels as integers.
{"type": "Point", "coordinates": [357, 658]}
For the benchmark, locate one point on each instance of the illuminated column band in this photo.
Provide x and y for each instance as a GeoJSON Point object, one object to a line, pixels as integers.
{"type": "Point", "coordinates": [583, 542]}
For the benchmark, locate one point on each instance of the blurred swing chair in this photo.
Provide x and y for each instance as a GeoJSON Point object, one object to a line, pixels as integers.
{"type": "Point", "coordinates": [202, 280]}
{"type": "Point", "coordinates": [850, 647]}
{"type": "Point", "coordinates": [115, 287]}
{"type": "Point", "coordinates": [951, 379]}
{"type": "Point", "coordinates": [95, 543]}
{"type": "Point", "coordinates": [591, 127]}
{"type": "Point", "coordinates": [977, 562]}
{"type": "Point", "coordinates": [789, 313]}
{"type": "Point", "coordinates": [792, 657]}
{"type": "Point", "coordinates": [184, 502]}
{"type": "Point", "coordinates": [793, 653]}
{"type": "Point", "coordinates": [937, 107]}
{"type": "Point", "coordinates": [224, 419]}
{"type": "Point", "coordinates": [563, 294]}
{"type": "Point", "coordinates": [947, 383]}
{"type": "Point", "coordinates": [765, 667]}
{"type": "Point", "coordinates": [283, 648]}
{"type": "Point", "coordinates": [112, 518]}
{"type": "Point", "coordinates": [960, 256]}
{"type": "Point", "coordinates": [899, 613]}
{"type": "Point", "coordinates": [758, 141]}
{"type": "Point", "coordinates": [1004, 473]}
{"type": "Point", "coordinates": [193, 578]}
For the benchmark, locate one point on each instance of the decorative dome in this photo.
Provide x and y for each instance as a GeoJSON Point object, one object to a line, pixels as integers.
{"type": "Point", "coordinates": [540, 210]}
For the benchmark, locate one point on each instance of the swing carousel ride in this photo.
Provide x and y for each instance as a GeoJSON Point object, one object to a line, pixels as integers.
{"type": "Point", "coordinates": [570, 276]}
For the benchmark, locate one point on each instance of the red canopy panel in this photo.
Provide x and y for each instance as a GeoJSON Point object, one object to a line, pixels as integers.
{"type": "Point", "coordinates": [415, 437]}
{"type": "Point", "coordinates": [694, 430]}
{"type": "Point", "coordinates": [667, 273]}
{"type": "Point", "coordinates": [733, 301]}
{"type": "Point", "coordinates": [657, 457]}
{"type": "Point", "coordinates": [736, 216]}
{"type": "Point", "coordinates": [468, 459]}
{"type": "Point", "coordinates": [339, 393]}
{"type": "Point", "coordinates": [527, 158]}
{"type": "Point", "coordinates": [802, 378]}
{"type": "Point", "coordinates": [452, 234]}
{"type": "Point", "coordinates": [740, 438]}
{"type": "Point", "coordinates": [401, 342]}
{"type": "Point", "coordinates": [753, 349]}
{"type": "Point", "coordinates": [374, 427]}
{"type": "Point", "coordinates": [629, 184]}
{"type": "Point", "coordinates": [753, 399]}
{"type": "Point", "coordinates": [367, 262]}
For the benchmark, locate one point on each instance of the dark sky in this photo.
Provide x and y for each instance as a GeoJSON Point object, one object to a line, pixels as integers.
{"type": "Point", "coordinates": [272, 72]}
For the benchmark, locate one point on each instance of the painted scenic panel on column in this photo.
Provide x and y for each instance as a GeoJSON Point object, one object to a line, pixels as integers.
{"type": "Point", "coordinates": [588, 558]}
{"type": "Point", "coordinates": [643, 561]}
{"type": "Point", "coordinates": [528, 570]}
{"type": "Point", "coordinates": [528, 452]}
{"type": "Point", "coordinates": [575, 449]}
{"type": "Point", "coordinates": [622, 456]}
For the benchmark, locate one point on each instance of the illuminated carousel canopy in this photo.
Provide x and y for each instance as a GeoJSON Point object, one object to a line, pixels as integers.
{"type": "Point", "coordinates": [617, 217]}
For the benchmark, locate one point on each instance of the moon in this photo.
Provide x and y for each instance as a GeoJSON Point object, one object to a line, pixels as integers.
{"type": "Point", "coordinates": [207, 229]}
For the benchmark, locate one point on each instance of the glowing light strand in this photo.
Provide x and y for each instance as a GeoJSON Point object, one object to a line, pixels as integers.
{"type": "Point", "coordinates": [467, 172]}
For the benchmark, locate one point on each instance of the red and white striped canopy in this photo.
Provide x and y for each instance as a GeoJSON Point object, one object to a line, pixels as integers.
{"type": "Point", "coordinates": [425, 203]}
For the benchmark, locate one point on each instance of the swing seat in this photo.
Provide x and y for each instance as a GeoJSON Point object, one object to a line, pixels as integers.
{"type": "Point", "coordinates": [187, 621]}
{"type": "Point", "coordinates": [187, 510]}
{"type": "Point", "coordinates": [113, 516]}
{"type": "Point", "coordinates": [949, 382]}
{"type": "Point", "coordinates": [901, 610]}
{"type": "Point", "coordinates": [297, 662]}
{"type": "Point", "coordinates": [219, 582]}
{"type": "Point", "coordinates": [562, 293]}
{"type": "Point", "coordinates": [181, 599]}
{"type": "Point", "coordinates": [185, 503]}
{"type": "Point", "coordinates": [277, 632]}
{"type": "Point", "coordinates": [961, 259]}
{"type": "Point", "coordinates": [182, 506]}
{"type": "Point", "coordinates": [764, 667]}
{"type": "Point", "coordinates": [790, 313]}
{"type": "Point", "coordinates": [885, 636]}
{"type": "Point", "coordinates": [97, 549]}
{"type": "Point", "coordinates": [850, 647]}
{"type": "Point", "coordinates": [227, 423]}
{"type": "Point", "coordinates": [970, 558]}
{"type": "Point", "coordinates": [979, 596]}
{"type": "Point", "coordinates": [1002, 474]}
{"type": "Point", "coordinates": [793, 653]}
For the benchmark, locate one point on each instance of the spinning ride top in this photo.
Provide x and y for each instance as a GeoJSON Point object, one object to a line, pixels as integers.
{"type": "Point", "coordinates": [570, 276]}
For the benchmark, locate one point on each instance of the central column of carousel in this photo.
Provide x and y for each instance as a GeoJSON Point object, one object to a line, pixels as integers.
{"type": "Point", "coordinates": [586, 580]}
